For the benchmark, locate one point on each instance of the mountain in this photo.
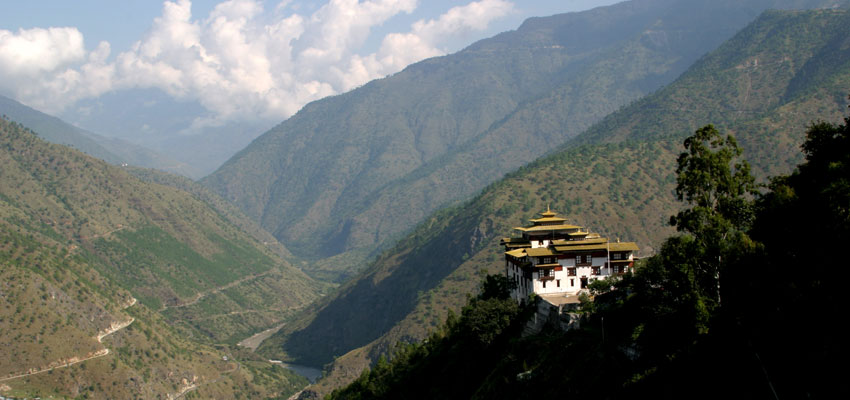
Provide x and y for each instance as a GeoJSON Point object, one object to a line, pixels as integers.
{"type": "Point", "coordinates": [153, 119]}
{"type": "Point", "coordinates": [662, 331]}
{"type": "Point", "coordinates": [113, 287]}
{"type": "Point", "coordinates": [764, 85]}
{"type": "Point", "coordinates": [173, 251]}
{"type": "Point", "coordinates": [349, 174]}
{"type": "Point", "coordinates": [112, 150]}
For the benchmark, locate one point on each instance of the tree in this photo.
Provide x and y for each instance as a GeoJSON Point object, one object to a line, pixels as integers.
{"type": "Point", "coordinates": [601, 286]}
{"type": "Point", "coordinates": [714, 183]}
{"type": "Point", "coordinates": [803, 224]}
{"type": "Point", "coordinates": [496, 287]}
{"type": "Point", "coordinates": [719, 188]}
{"type": "Point", "coordinates": [826, 172]}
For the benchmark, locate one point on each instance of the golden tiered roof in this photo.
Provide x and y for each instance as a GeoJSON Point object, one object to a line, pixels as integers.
{"type": "Point", "coordinates": [572, 238]}
{"type": "Point", "coordinates": [549, 221]}
{"type": "Point", "coordinates": [546, 228]}
{"type": "Point", "coordinates": [547, 216]}
{"type": "Point", "coordinates": [595, 240]}
{"type": "Point", "coordinates": [516, 253]}
{"type": "Point", "coordinates": [624, 246]}
{"type": "Point", "coordinates": [540, 252]}
{"type": "Point", "coordinates": [513, 243]}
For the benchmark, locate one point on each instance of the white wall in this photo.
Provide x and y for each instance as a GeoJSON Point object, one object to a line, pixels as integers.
{"type": "Point", "coordinates": [536, 285]}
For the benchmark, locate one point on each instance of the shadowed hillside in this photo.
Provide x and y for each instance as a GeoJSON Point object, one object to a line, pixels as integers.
{"type": "Point", "coordinates": [620, 188]}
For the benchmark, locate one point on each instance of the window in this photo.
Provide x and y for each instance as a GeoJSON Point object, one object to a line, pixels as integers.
{"type": "Point", "coordinates": [544, 284]}
{"type": "Point", "coordinates": [572, 282]}
{"type": "Point", "coordinates": [578, 260]}
{"type": "Point", "coordinates": [571, 271]}
{"type": "Point", "coordinates": [540, 243]}
{"type": "Point", "coordinates": [616, 256]}
{"type": "Point", "coordinates": [594, 270]}
{"type": "Point", "coordinates": [558, 281]}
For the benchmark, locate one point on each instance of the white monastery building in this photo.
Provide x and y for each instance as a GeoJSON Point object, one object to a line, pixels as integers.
{"type": "Point", "coordinates": [555, 258]}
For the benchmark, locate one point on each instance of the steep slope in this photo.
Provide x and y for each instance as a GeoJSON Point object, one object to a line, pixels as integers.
{"type": "Point", "coordinates": [348, 173]}
{"type": "Point", "coordinates": [111, 150]}
{"type": "Point", "coordinates": [225, 208]}
{"type": "Point", "coordinates": [620, 188]}
{"type": "Point", "coordinates": [81, 241]}
{"type": "Point", "coordinates": [172, 251]}
{"type": "Point", "coordinates": [752, 80]}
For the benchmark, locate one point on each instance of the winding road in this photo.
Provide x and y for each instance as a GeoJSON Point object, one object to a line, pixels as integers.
{"type": "Point", "coordinates": [201, 295]}
{"type": "Point", "coordinates": [67, 362]}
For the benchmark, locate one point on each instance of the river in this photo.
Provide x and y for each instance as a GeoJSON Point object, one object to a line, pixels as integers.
{"type": "Point", "coordinates": [308, 372]}
{"type": "Point", "coordinates": [254, 341]}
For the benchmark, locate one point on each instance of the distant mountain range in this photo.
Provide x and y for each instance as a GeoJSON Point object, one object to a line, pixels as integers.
{"type": "Point", "coordinates": [153, 119]}
{"type": "Point", "coordinates": [145, 281]}
{"type": "Point", "coordinates": [348, 175]}
{"type": "Point", "coordinates": [132, 280]}
{"type": "Point", "coordinates": [764, 85]}
{"type": "Point", "coordinates": [112, 150]}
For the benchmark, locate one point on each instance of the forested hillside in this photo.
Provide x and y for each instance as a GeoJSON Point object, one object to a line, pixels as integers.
{"type": "Point", "coordinates": [705, 318]}
{"type": "Point", "coordinates": [620, 188]}
{"type": "Point", "coordinates": [121, 285]}
{"type": "Point", "coordinates": [227, 209]}
{"type": "Point", "coordinates": [348, 174]}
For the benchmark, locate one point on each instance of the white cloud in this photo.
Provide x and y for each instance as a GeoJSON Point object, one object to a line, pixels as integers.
{"type": "Point", "coordinates": [32, 51]}
{"type": "Point", "coordinates": [235, 62]}
{"type": "Point", "coordinates": [39, 65]}
{"type": "Point", "coordinates": [422, 41]}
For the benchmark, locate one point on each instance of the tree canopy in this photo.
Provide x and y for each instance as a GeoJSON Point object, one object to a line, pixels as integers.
{"type": "Point", "coordinates": [719, 188]}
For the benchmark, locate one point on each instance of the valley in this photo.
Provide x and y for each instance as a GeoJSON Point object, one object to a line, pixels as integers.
{"type": "Point", "coordinates": [433, 268]}
{"type": "Point", "coordinates": [352, 243]}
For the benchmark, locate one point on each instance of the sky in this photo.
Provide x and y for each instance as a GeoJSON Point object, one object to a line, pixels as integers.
{"type": "Point", "coordinates": [238, 59]}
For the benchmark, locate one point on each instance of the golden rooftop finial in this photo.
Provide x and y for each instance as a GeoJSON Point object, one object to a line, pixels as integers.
{"type": "Point", "coordinates": [548, 212]}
